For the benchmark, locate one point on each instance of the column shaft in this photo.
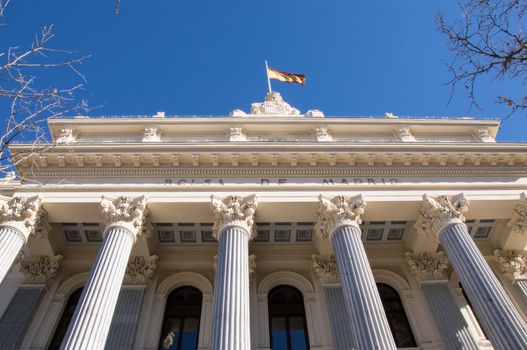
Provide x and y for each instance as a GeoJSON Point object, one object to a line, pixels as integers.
{"type": "Point", "coordinates": [126, 318]}
{"type": "Point", "coordinates": [231, 322]}
{"type": "Point", "coordinates": [498, 316]}
{"type": "Point", "coordinates": [339, 319]}
{"type": "Point", "coordinates": [11, 241]}
{"type": "Point", "coordinates": [18, 316]}
{"type": "Point", "coordinates": [449, 319]}
{"type": "Point", "coordinates": [91, 322]}
{"type": "Point", "coordinates": [365, 308]}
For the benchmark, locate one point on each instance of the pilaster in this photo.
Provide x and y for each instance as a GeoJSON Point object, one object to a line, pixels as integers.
{"type": "Point", "coordinates": [430, 271]}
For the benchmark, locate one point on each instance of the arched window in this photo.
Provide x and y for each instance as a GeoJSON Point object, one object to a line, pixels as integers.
{"type": "Point", "coordinates": [287, 319]}
{"type": "Point", "coordinates": [399, 325]}
{"type": "Point", "coordinates": [180, 329]}
{"type": "Point", "coordinates": [64, 322]}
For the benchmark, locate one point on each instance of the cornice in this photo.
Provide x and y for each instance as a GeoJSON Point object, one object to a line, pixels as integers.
{"type": "Point", "coordinates": [258, 172]}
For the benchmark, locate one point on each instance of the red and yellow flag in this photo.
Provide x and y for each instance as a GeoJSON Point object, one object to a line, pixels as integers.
{"type": "Point", "coordinates": [286, 77]}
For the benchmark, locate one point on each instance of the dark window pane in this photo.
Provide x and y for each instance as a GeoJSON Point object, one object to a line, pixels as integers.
{"type": "Point", "coordinates": [287, 319]}
{"type": "Point", "coordinates": [65, 319]}
{"type": "Point", "coordinates": [180, 330]}
{"type": "Point", "coordinates": [278, 333]}
{"type": "Point", "coordinates": [190, 334]}
{"type": "Point", "coordinates": [399, 325]}
{"type": "Point", "coordinates": [298, 335]}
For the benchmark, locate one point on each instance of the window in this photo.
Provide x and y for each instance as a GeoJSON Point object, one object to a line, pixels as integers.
{"type": "Point", "coordinates": [287, 320]}
{"type": "Point", "coordinates": [399, 325]}
{"type": "Point", "coordinates": [64, 322]}
{"type": "Point", "coordinates": [181, 321]}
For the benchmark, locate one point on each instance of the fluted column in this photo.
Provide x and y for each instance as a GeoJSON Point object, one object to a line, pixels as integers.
{"type": "Point", "coordinates": [38, 271]}
{"type": "Point", "coordinates": [128, 309]}
{"type": "Point", "coordinates": [18, 218]}
{"type": "Point", "coordinates": [429, 269]}
{"type": "Point", "coordinates": [444, 216]}
{"type": "Point", "coordinates": [233, 228]}
{"type": "Point", "coordinates": [339, 220]}
{"type": "Point", "coordinates": [91, 321]}
{"type": "Point", "coordinates": [326, 270]}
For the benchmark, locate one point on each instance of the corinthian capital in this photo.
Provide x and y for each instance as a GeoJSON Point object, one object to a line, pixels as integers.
{"type": "Point", "coordinates": [427, 266]}
{"type": "Point", "coordinates": [140, 270]}
{"type": "Point", "coordinates": [326, 268]}
{"type": "Point", "coordinates": [233, 211]}
{"type": "Point", "coordinates": [512, 263]}
{"type": "Point", "coordinates": [130, 213]}
{"type": "Point", "coordinates": [438, 212]}
{"type": "Point", "coordinates": [21, 213]}
{"type": "Point", "coordinates": [40, 269]}
{"type": "Point", "coordinates": [338, 211]}
{"type": "Point", "coordinates": [518, 223]}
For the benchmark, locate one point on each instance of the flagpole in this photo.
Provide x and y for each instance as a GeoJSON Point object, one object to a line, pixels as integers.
{"type": "Point", "coordinates": [268, 80]}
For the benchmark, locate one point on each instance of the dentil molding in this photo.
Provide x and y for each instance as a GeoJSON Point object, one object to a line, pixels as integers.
{"type": "Point", "coordinates": [338, 211]}
{"type": "Point", "coordinates": [233, 211]}
{"type": "Point", "coordinates": [438, 212]}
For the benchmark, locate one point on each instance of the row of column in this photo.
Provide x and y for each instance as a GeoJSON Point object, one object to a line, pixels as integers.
{"type": "Point", "coordinates": [339, 220]}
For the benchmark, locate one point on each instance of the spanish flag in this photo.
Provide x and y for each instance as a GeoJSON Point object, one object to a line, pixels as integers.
{"type": "Point", "coordinates": [286, 77]}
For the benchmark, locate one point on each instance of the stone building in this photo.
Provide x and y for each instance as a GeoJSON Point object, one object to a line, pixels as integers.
{"type": "Point", "coordinates": [265, 230]}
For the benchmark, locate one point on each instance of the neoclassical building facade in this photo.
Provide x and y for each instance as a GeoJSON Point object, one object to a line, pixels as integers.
{"type": "Point", "coordinates": [265, 230]}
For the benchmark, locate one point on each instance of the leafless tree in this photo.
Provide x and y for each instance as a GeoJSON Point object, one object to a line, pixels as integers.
{"type": "Point", "coordinates": [489, 40]}
{"type": "Point", "coordinates": [36, 83]}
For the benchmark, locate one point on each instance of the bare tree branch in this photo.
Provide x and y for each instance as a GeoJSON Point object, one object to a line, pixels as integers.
{"type": "Point", "coordinates": [489, 40]}
{"type": "Point", "coordinates": [28, 95]}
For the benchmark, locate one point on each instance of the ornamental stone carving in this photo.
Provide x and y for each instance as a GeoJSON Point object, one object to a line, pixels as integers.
{"type": "Point", "coordinates": [321, 134]}
{"type": "Point", "coordinates": [236, 133]}
{"type": "Point", "coordinates": [130, 213]}
{"type": "Point", "coordinates": [518, 223]}
{"type": "Point", "coordinates": [438, 212]}
{"type": "Point", "coordinates": [252, 266]}
{"type": "Point", "coordinates": [273, 105]}
{"type": "Point", "coordinates": [483, 135]}
{"type": "Point", "coordinates": [40, 269]}
{"type": "Point", "coordinates": [326, 268]}
{"type": "Point", "coordinates": [68, 135]}
{"type": "Point", "coordinates": [233, 211]}
{"type": "Point", "coordinates": [427, 266]}
{"type": "Point", "coordinates": [140, 269]}
{"type": "Point", "coordinates": [404, 134]}
{"type": "Point", "coordinates": [21, 213]}
{"type": "Point", "coordinates": [512, 263]}
{"type": "Point", "coordinates": [338, 211]}
{"type": "Point", "coordinates": [314, 113]}
{"type": "Point", "coordinates": [151, 135]}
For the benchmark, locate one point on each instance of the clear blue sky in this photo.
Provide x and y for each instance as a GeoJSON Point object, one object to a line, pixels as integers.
{"type": "Point", "coordinates": [205, 57]}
